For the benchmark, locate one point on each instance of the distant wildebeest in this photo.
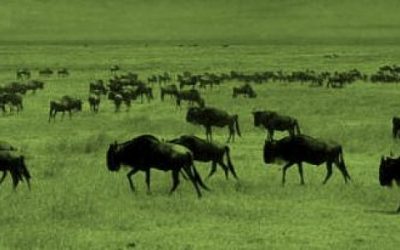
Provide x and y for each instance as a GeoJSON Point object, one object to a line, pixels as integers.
{"type": "Point", "coordinates": [143, 90]}
{"type": "Point", "coordinates": [66, 103]}
{"type": "Point", "coordinates": [245, 90]}
{"type": "Point", "coordinates": [117, 98]}
{"type": "Point", "coordinates": [114, 69]}
{"type": "Point", "coordinates": [205, 151]}
{"type": "Point", "coordinates": [145, 152]}
{"type": "Point", "coordinates": [192, 96]}
{"type": "Point", "coordinates": [14, 88]}
{"type": "Point", "coordinates": [301, 148]}
{"type": "Point", "coordinates": [272, 121]}
{"type": "Point", "coordinates": [94, 102]}
{"type": "Point", "coordinates": [389, 171]}
{"type": "Point", "coordinates": [97, 86]}
{"type": "Point", "coordinates": [46, 72]}
{"type": "Point", "coordinates": [395, 126]}
{"type": "Point", "coordinates": [187, 81]}
{"type": "Point", "coordinates": [23, 73]}
{"type": "Point", "coordinates": [14, 163]}
{"type": "Point", "coordinates": [170, 90]}
{"type": "Point", "coordinates": [63, 72]}
{"type": "Point", "coordinates": [208, 117]}
{"type": "Point", "coordinates": [34, 85]}
{"type": "Point", "coordinates": [13, 100]}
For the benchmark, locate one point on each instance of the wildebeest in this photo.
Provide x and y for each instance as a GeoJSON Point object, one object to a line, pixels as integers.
{"type": "Point", "coordinates": [301, 148]}
{"type": "Point", "coordinates": [97, 86]}
{"type": "Point", "coordinates": [192, 95]}
{"type": "Point", "coordinates": [46, 72]}
{"type": "Point", "coordinates": [13, 100]}
{"type": "Point", "coordinates": [170, 90]}
{"type": "Point", "coordinates": [272, 121]}
{"type": "Point", "coordinates": [34, 85]}
{"type": "Point", "coordinates": [245, 90]}
{"type": "Point", "coordinates": [145, 152]}
{"type": "Point", "coordinates": [395, 126]}
{"type": "Point", "coordinates": [209, 116]}
{"type": "Point", "coordinates": [389, 171]}
{"type": "Point", "coordinates": [63, 72]}
{"type": "Point", "coordinates": [14, 163]}
{"type": "Point", "coordinates": [205, 151]}
{"type": "Point", "coordinates": [114, 69]}
{"type": "Point", "coordinates": [118, 99]}
{"type": "Point", "coordinates": [66, 103]}
{"type": "Point", "coordinates": [94, 102]}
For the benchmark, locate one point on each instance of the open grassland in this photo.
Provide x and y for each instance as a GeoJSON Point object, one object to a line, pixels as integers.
{"type": "Point", "coordinates": [76, 203]}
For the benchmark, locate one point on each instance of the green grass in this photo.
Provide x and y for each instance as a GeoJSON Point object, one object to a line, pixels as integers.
{"type": "Point", "coordinates": [76, 203]}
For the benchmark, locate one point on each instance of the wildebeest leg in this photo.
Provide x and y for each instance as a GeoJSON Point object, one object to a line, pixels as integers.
{"type": "Point", "coordinates": [129, 175]}
{"type": "Point", "coordinates": [15, 179]}
{"type": "Point", "coordinates": [328, 172]}
{"type": "Point", "coordinates": [226, 169]}
{"type": "Point", "coordinates": [231, 133]}
{"type": "Point", "coordinates": [300, 165]}
{"type": "Point", "coordinates": [213, 169]}
{"type": "Point", "coordinates": [4, 176]}
{"type": "Point", "coordinates": [175, 180]}
{"type": "Point", "coordinates": [194, 180]}
{"type": "Point", "coordinates": [288, 165]}
{"type": "Point", "coordinates": [148, 180]}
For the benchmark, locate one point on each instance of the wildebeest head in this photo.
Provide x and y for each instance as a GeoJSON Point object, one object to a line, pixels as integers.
{"type": "Point", "coordinates": [112, 162]}
{"type": "Point", "coordinates": [269, 151]}
{"type": "Point", "coordinates": [385, 176]}
{"type": "Point", "coordinates": [193, 115]}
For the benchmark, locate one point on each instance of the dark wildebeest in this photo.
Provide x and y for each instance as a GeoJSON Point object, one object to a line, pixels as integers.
{"type": "Point", "coordinates": [170, 90]}
{"type": "Point", "coordinates": [13, 100]}
{"type": "Point", "coordinates": [245, 90]}
{"type": "Point", "coordinates": [301, 148]}
{"type": "Point", "coordinates": [272, 121]}
{"type": "Point", "coordinates": [23, 73]}
{"type": "Point", "coordinates": [117, 98]}
{"type": "Point", "coordinates": [14, 163]}
{"type": "Point", "coordinates": [97, 87]}
{"type": "Point", "coordinates": [94, 102]}
{"type": "Point", "coordinates": [62, 72]}
{"type": "Point", "coordinates": [205, 151]}
{"type": "Point", "coordinates": [66, 103]}
{"type": "Point", "coordinates": [395, 126]}
{"type": "Point", "coordinates": [191, 95]}
{"type": "Point", "coordinates": [389, 171]}
{"type": "Point", "coordinates": [145, 152]}
{"type": "Point", "coordinates": [45, 72]}
{"type": "Point", "coordinates": [34, 85]}
{"type": "Point", "coordinates": [208, 117]}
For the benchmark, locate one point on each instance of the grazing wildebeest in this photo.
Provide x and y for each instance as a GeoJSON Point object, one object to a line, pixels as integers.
{"type": "Point", "coordinates": [45, 72]}
{"type": "Point", "coordinates": [14, 88]}
{"type": "Point", "coordinates": [23, 73]}
{"type": "Point", "coordinates": [272, 121]}
{"type": "Point", "coordinates": [34, 85]}
{"type": "Point", "coordinates": [205, 151]}
{"type": "Point", "coordinates": [13, 100]}
{"type": "Point", "coordinates": [389, 171]}
{"type": "Point", "coordinates": [208, 117]}
{"type": "Point", "coordinates": [145, 152]}
{"type": "Point", "coordinates": [66, 103]}
{"type": "Point", "coordinates": [63, 72]}
{"type": "Point", "coordinates": [14, 163]}
{"type": "Point", "coordinates": [245, 90]}
{"type": "Point", "coordinates": [301, 148]}
{"type": "Point", "coordinates": [94, 102]}
{"type": "Point", "coordinates": [192, 95]}
{"type": "Point", "coordinates": [395, 126]}
{"type": "Point", "coordinates": [170, 90]}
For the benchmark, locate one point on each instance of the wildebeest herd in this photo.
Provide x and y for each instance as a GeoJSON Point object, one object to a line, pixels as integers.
{"type": "Point", "coordinates": [178, 155]}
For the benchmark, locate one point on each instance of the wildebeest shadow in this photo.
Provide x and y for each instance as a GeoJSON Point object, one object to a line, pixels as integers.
{"type": "Point", "coordinates": [386, 212]}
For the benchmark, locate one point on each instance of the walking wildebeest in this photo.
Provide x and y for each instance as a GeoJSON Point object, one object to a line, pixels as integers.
{"type": "Point", "coordinates": [94, 102]}
{"type": "Point", "coordinates": [66, 103]}
{"type": "Point", "coordinates": [205, 151]}
{"type": "Point", "coordinates": [14, 163]}
{"type": "Point", "coordinates": [170, 90]}
{"type": "Point", "coordinates": [273, 121]}
{"type": "Point", "coordinates": [191, 95]}
{"type": "Point", "coordinates": [208, 117]}
{"type": "Point", "coordinates": [389, 171]}
{"type": "Point", "coordinates": [395, 126]}
{"type": "Point", "coordinates": [245, 90]}
{"type": "Point", "coordinates": [301, 148]}
{"type": "Point", "coordinates": [145, 152]}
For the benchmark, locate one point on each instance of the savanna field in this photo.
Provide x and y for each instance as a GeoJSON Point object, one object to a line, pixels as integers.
{"type": "Point", "coordinates": [77, 203]}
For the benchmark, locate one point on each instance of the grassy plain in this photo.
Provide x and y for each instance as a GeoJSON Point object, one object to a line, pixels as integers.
{"type": "Point", "coordinates": [76, 203]}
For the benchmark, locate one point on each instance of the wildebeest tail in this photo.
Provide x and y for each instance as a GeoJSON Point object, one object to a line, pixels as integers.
{"type": "Point", "coordinates": [236, 117]}
{"type": "Point", "coordinates": [230, 165]}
